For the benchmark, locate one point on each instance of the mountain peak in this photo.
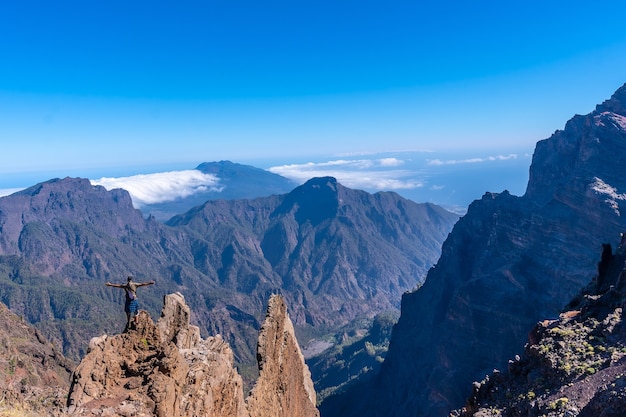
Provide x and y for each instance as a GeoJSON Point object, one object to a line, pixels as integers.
{"type": "Point", "coordinates": [234, 182]}
{"type": "Point", "coordinates": [616, 104]}
{"type": "Point", "coordinates": [228, 169]}
{"type": "Point", "coordinates": [313, 201]}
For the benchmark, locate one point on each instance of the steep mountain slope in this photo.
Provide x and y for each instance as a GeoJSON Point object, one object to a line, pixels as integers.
{"type": "Point", "coordinates": [333, 253]}
{"type": "Point", "coordinates": [236, 181]}
{"type": "Point", "coordinates": [34, 375]}
{"type": "Point", "coordinates": [60, 241]}
{"type": "Point", "coordinates": [326, 247]}
{"type": "Point", "coordinates": [508, 262]}
{"type": "Point", "coordinates": [574, 365]}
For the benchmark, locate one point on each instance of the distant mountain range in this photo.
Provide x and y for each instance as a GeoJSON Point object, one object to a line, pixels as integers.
{"type": "Point", "coordinates": [508, 263]}
{"type": "Point", "coordinates": [236, 182]}
{"type": "Point", "coordinates": [335, 254]}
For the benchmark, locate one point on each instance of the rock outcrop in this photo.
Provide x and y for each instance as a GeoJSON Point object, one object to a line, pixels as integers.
{"type": "Point", "coordinates": [573, 365]}
{"type": "Point", "coordinates": [509, 262]}
{"type": "Point", "coordinates": [167, 370]}
{"type": "Point", "coordinates": [284, 388]}
{"type": "Point", "coordinates": [34, 375]}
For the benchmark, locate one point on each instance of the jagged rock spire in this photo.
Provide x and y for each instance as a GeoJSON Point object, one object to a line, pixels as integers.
{"type": "Point", "coordinates": [279, 393]}
{"type": "Point", "coordinates": [168, 370]}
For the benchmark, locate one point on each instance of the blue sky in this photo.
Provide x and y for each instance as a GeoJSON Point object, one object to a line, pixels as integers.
{"type": "Point", "coordinates": [118, 88]}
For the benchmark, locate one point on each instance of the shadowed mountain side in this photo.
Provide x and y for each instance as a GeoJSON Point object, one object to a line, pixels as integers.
{"type": "Point", "coordinates": [508, 262]}
{"type": "Point", "coordinates": [34, 375]}
{"type": "Point", "coordinates": [573, 365]}
{"type": "Point", "coordinates": [326, 247]}
{"type": "Point", "coordinates": [61, 240]}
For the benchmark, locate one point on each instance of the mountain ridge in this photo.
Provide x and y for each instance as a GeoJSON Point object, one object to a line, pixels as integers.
{"type": "Point", "coordinates": [62, 240]}
{"type": "Point", "coordinates": [507, 263]}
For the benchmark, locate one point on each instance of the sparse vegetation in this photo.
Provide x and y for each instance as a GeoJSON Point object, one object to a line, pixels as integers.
{"type": "Point", "coordinates": [356, 353]}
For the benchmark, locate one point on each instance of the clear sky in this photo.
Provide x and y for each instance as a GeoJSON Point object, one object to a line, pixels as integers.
{"type": "Point", "coordinates": [124, 87]}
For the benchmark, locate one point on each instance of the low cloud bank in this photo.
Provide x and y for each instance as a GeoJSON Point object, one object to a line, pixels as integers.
{"type": "Point", "coordinates": [9, 191]}
{"type": "Point", "coordinates": [472, 160]}
{"type": "Point", "coordinates": [371, 174]}
{"type": "Point", "coordinates": [163, 186]}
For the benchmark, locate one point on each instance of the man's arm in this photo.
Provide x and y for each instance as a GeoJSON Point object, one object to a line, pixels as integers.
{"type": "Point", "coordinates": [143, 284]}
{"type": "Point", "coordinates": [108, 284]}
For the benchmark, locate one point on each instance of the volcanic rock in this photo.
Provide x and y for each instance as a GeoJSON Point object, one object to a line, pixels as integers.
{"type": "Point", "coordinates": [573, 365]}
{"type": "Point", "coordinates": [168, 370]}
{"type": "Point", "coordinates": [509, 262]}
{"type": "Point", "coordinates": [284, 388]}
{"type": "Point", "coordinates": [34, 375]}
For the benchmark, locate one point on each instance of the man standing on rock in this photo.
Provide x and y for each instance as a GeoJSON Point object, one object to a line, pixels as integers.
{"type": "Point", "coordinates": [131, 307]}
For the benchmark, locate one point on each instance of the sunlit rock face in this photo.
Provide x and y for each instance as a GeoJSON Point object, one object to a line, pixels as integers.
{"type": "Point", "coordinates": [167, 370]}
{"type": "Point", "coordinates": [284, 388]}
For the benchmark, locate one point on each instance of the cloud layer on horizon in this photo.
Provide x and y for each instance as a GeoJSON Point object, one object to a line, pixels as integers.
{"type": "Point", "coordinates": [372, 174]}
{"type": "Point", "coordinates": [163, 186]}
{"type": "Point", "coordinates": [437, 162]}
{"type": "Point", "coordinates": [9, 191]}
{"type": "Point", "coordinates": [452, 180]}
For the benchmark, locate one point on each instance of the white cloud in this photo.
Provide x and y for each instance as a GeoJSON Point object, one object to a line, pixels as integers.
{"type": "Point", "coordinates": [398, 151]}
{"type": "Point", "coordinates": [162, 186]}
{"type": "Point", "coordinates": [9, 191]}
{"type": "Point", "coordinates": [372, 174]}
{"type": "Point", "coordinates": [390, 162]}
{"type": "Point", "coordinates": [472, 160]}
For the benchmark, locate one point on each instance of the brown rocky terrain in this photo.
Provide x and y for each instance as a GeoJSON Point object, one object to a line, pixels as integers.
{"type": "Point", "coordinates": [167, 370]}
{"type": "Point", "coordinates": [573, 365]}
{"type": "Point", "coordinates": [34, 375]}
{"type": "Point", "coordinates": [284, 388]}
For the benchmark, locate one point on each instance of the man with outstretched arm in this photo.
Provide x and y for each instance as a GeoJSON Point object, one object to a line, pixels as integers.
{"type": "Point", "coordinates": [131, 307]}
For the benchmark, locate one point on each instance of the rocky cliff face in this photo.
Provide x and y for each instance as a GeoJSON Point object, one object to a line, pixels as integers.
{"type": "Point", "coordinates": [34, 375]}
{"type": "Point", "coordinates": [509, 262]}
{"type": "Point", "coordinates": [573, 365]}
{"type": "Point", "coordinates": [284, 388]}
{"type": "Point", "coordinates": [168, 370]}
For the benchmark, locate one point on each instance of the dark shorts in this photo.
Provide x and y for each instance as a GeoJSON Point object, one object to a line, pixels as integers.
{"type": "Point", "coordinates": [132, 307]}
